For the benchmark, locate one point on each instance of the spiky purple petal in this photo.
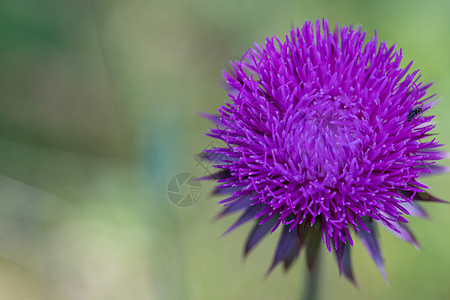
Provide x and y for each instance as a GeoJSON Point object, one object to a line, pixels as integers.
{"type": "Point", "coordinates": [344, 261]}
{"type": "Point", "coordinates": [402, 231]}
{"type": "Point", "coordinates": [369, 238]}
{"type": "Point", "coordinates": [257, 234]}
{"type": "Point", "coordinates": [287, 245]}
{"type": "Point", "coordinates": [249, 214]}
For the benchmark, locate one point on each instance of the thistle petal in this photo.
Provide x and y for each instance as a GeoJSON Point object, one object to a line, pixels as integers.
{"type": "Point", "coordinates": [287, 244]}
{"type": "Point", "coordinates": [433, 170]}
{"type": "Point", "coordinates": [421, 196]}
{"type": "Point", "coordinates": [344, 261]}
{"type": "Point", "coordinates": [249, 214]}
{"type": "Point", "coordinates": [225, 190]}
{"type": "Point", "coordinates": [301, 236]}
{"type": "Point", "coordinates": [236, 205]}
{"type": "Point", "coordinates": [347, 265]}
{"type": "Point", "coordinates": [258, 233]}
{"type": "Point", "coordinates": [212, 156]}
{"type": "Point", "coordinates": [401, 231]}
{"type": "Point", "coordinates": [370, 241]}
{"type": "Point", "coordinates": [216, 119]}
{"type": "Point", "coordinates": [415, 209]}
{"type": "Point", "coordinates": [223, 174]}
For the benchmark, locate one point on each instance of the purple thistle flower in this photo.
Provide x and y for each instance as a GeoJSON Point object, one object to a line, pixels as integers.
{"type": "Point", "coordinates": [325, 136]}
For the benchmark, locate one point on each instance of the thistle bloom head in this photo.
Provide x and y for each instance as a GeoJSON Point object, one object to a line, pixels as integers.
{"type": "Point", "coordinates": [325, 136]}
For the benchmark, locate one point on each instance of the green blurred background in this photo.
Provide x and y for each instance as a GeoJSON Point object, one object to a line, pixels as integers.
{"type": "Point", "coordinates": [98, 112]}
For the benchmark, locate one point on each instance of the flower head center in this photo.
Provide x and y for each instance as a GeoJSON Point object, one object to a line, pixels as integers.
{"type": "Point", "coordinates": [323, 142]}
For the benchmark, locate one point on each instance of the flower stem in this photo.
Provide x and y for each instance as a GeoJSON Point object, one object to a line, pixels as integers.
{"type": "Point", "coordinates": [310, 289]}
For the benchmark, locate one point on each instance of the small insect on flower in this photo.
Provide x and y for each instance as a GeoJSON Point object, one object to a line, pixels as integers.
{"type": "Point", "coordinates": [311, 149]}
{"type": "Point", "coordinates": [415, 111]}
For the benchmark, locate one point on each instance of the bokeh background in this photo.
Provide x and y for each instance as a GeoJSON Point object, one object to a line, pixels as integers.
{"type": "Point", "coordinates": [98, 112]}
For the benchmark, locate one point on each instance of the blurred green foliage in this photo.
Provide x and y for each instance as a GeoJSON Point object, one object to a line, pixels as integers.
{"type": "Point", "coordinates": [98, 112]}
